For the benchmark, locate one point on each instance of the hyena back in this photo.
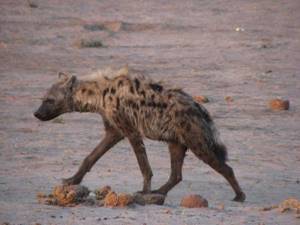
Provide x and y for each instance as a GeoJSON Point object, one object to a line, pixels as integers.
{"type": "Point", "coordinates": [136, 107]}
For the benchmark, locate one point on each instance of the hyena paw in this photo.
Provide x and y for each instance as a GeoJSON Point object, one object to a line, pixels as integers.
{"type": "Point", "coordinates": [70, 181]}
{"type": "Point", "coordinates": [240, 197]}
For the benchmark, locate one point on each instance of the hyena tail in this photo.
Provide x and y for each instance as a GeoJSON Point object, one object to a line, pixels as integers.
{"type": "Point", "coordinates": [212, 135]}
{"type": "Point", "coordinates": [220, 152]}
{"type": "Point", "coordinates": [218, 147]}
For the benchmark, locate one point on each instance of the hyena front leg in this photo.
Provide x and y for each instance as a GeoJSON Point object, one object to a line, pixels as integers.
{"type": "Point", "coordinates": [139, 149]}
{"type": "Point", "coordinates": [177, 154]}
{"type": "Point", "coordinates": [111, 138]}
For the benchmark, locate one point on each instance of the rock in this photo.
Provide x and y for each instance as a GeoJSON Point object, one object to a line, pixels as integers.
{"type": "Point", "coordinates": [228, 99]}
{"type": "Point", "coordinates": [73, 194]}
{"type": "Point", "coordinates": [124, 199]}
{"type": "Point", "coordinates": [145, 199]}
{"type": "Point", "coordinates": [64, 195]}
{"type": "Point", "coordinates": [102, 192]}
{"type": "Point", "coordinates": [279, 104]}
{"type": "Point", "coordinates": [90, 200]}
{"type": "Point", "coordinates": [85, 43]}
{"type": "Point", "coordinates": [111, 199]}
{"type": "Point", "coordinates": [2, 44]}
{"type": "Point", "coordinates": [289, 204]}
{"type": "Point", "coordinates": [193, 201]}
{"type": "Point", "coordinates": [113, 26]}
{"type": "Point", "coordinates": [201, 99]}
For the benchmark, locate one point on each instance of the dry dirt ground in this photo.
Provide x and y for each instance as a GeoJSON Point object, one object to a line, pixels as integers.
{"type": "Point", "coordinates": [249, 50]}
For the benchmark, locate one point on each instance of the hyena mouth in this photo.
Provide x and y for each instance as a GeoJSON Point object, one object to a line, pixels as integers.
{"type": "Point", "coordinates": [41, 117]}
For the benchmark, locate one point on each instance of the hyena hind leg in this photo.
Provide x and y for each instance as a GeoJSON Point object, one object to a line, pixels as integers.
{"type": "Point", "coordinates": [177, 154]}
{"type": "Point", "coordinates": [225, 170]}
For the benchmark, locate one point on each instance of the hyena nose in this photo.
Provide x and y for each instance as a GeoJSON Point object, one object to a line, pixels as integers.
{"type": "Point", "coordinates": [36, 114]}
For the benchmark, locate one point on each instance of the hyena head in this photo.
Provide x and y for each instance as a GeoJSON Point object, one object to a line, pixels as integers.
{"type": "Point", "coordinates": [58, 99]}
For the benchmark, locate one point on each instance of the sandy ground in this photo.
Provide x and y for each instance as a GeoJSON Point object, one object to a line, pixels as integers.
{"type": "Point", "coordinates": [249, 50]}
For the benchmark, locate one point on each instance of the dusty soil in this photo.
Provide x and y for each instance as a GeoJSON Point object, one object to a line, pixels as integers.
{"type": "Point", "coordinates": [248, 50]}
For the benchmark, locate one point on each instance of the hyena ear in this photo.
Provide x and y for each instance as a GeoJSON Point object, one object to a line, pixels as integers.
{"type": "Point", "coordinates": [63, 76]}
{"type": "Point", "coordinates": [71, 82]}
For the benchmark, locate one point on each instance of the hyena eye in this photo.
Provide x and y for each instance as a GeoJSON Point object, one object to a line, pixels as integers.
{"type": "Point", "coordinates": [49, 101]}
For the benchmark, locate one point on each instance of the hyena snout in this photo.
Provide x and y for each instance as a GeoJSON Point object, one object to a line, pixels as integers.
{"type": "Point", "coordinates": [47, 111]}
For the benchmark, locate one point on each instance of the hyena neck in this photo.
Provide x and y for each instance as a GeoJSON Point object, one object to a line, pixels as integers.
{"type": "Point", "coordinates": [87, 97]}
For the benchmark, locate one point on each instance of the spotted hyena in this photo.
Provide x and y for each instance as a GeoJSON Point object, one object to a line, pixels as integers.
{"type": "Point", "coordinates": [135, 107]}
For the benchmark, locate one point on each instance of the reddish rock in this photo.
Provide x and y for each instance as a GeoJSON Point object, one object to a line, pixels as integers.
{"type": "Point", "coordinates": [201, 99]}
{"type": "Point", "coordinates": [228, 99]}
{"type": "Point", "coordinates": [124, 199]}
{"type": "Point", "coordinates": [111, 199]}
{"type": "Point", "coordinates": [279, 104]}
{"type": "Point", "coordinates": [193, 201]}
{"type": "Point", "coordinates": [102, 192]}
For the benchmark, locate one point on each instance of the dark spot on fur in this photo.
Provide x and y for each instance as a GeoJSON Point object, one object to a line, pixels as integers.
{"type": "Point", "coordinates": [91, 92]}
{"type": "Point", "coordinates": [132, 104]}
{"type": "Point", "coordinates": [104, 92]}
{"type": "Point", "coordinates": [152, 96]}
{"type": "Point", "coordinates": [188, 127]}
{"type": "Point", "coordinates": [112, 91]}
{"type": "Point", "coordinates": [103, 96]}
{"type": "Point", "coordinates": [136, 106]}
{"type": "Point", "coordinates": [182, 123]}
{"type": "Point", "coordinates": [143, 93]}
{"type": "Point", "coordinates": [156, 87]}
{"type": "Point", "coordinates": [142, 102]}
{"type": "Point", "coordinates": [151, 104]}
{"type": "Point", "coordinates": [118, 103]}
{"type": "Point", "coordinates": [120, 83]}
{"type": "Point", "coordinates": [164, 105]}
{"type": "Point", "coordinates": [137, 84]}
{"type": "Point", "coordinates": [170, 96]}
{"type": "Point", "coordinates": [110, 98]}
{"type": "Point", "coordinates": [135, 114]}
{"type": "Point", "coordinates": [83, 90]}
{"type": "Point", "coordinates": [131, 90]}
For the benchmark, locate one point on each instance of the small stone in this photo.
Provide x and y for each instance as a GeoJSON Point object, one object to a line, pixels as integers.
{"type": "Point", "coordinates": [111, 199]}
{"type": "Point", "coordinates": [167, 211]}
{"type": "Point", "coordinates": [102, 192]}
{"type": "Point", "coordinates": [193, 201]}
{"type": "Point", "coordinates": [221, 206]}
{"type": "Point", "coordinates": [2, 44]}
{"type": "Point", "coordinates": [238, 29]}
{"type": "Point", "coordinates": [228, 99]}
{"type": "Point", "coordinates": [279, 104]}
{"type": "Point", "coordinates": [201, 99]}
{"type": "Point", "coordinates": [113, 26]}
{"type": "Point", "coordinates": [124, 199]}
{"type": "Point", "coordinates": [66, 195]}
